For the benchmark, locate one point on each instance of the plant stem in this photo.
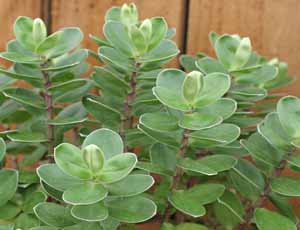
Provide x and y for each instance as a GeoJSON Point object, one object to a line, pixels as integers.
{"type": "Point", "coordinates": [127, 121]}
{"type": "Point", "coordinates": [263, 197]}
{"type": "Point", "coordinates": [179, 172]}
{"type": "Point", "coordinates": [49, 106]}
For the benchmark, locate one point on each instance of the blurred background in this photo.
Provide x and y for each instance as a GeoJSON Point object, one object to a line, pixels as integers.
{"type": "Point", "coordinates": [272, 25]}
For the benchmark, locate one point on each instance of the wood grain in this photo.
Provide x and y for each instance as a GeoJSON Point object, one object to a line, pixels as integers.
{"type": "Point", "coordinates": [272, 25]}
{"type": "Point", "coordinates": [10, 10]}
{"type": "Point", "coordinates": [89, 15]}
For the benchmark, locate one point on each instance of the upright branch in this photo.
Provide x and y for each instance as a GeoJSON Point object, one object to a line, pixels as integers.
{"type": "Point", "coordinates": [179, 172]}
{"type": "Point", "coordinates": [127, 121]}
{"type": "Point", "coordinates": [49, 109]}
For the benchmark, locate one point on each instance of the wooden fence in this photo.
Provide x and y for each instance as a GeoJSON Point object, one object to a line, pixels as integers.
{"type": "Point", "coordinates": [272, 25]}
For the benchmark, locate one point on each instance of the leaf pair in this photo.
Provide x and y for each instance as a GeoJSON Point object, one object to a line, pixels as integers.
{"type": "Point", "coordinates": [32, 35]}
{"type": "Point", "coordinates": [171, 90]}
{"type": "Point", "coordinates": [192, 201]}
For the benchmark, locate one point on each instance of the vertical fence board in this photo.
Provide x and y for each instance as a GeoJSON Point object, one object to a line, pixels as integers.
{"type": "Point", "coordinates": [273, 27]}
{"type": "Point", "coordinates": [10, 10]}
{"type": "Point", "coordinates": [89, 15]}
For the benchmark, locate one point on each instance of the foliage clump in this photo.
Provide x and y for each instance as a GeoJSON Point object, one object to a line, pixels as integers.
{"type": "Point", "coordinates": [81, 153]}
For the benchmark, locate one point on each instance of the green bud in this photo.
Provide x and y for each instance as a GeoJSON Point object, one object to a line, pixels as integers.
{"type": "Point", "coordinates": [138, 40]}
{"type": "Point", "coordinates": [93, 157]}
{"type": "Point", "coordinates": [146, 29]}
{"type": "Point", "coordinates": [129, 14]}
{"type": "Point", "coordinates": [192, 86]}
{"type": "Point", "coordinates": [39, 31]}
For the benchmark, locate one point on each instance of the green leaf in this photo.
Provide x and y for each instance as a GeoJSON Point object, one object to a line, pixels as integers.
{"type": "Point", "coordinates": [213, 36]}
{"type": "Point", "coordinates": [9, 184]}
{"type": "Point", "coordinates": [209, 65]}
{"type": "Point", "coordinates": [112, 56]}
{"type": "Point", "coordinates": [27, 137]}
{"type": "Point", "coordinates": [27, 177]}
{"type": "Point", "coordinates": [20, 58]}
{"type": "Point", "coordinates": [266, 220]}
{"type": "Point", "coordinates": [131, 185]}
{"type": "Point", "coordinates": [255, 75]}
{"type": "Point", "coordinates": [5, 82]}
{"type": "Point", "coordinates": [199, 121]}
{"type": "Point", "coordinates": [91, 212]}
{"type": "Point", "coordinates": [109, 82]}
{"type": "Point", "coordinates": [192, 86]}
{"type": "Point", "coordinates": [229, 210]}
{"type": "Point", "coordinates": [72, 114]}
{"type": "Point", "coordinates": [242, 54]}
{"type": "Point", "coordinates": [215, 85]}
{"type": "Point", "coordinates": [159, 31]}
{"type": "Point", "coordinates": [62, 88]}
{"type": "Point", "coordinates": [2, 149]}
{"type": "Point", "coordinates": [25, 97]}
{"type": "Point", "coordinates": [132, 209]}
{"type": "Point", "coordinates": [83, 194]}
{"type": "Point", "coordinates": [188, 62]}
{"type": "Point", "coordinates": [39, 31]}
{"type": "Point", "coordinates": [247, 179]}
{"type": "Point", "coordinates": [7, 226]}
{"type": "Point", "coordinates": [69, 159]}
{"type": "Point", "coordinates": [284, 206]}
{"type": "Point", "coordinates": [294, 160]}
{"type": "Point", "coordinates": [70, 91]}
{"type": "Point", "coordinates": [159, 121]}
{"type": "Point", "coordinates": [288, 109]}
{"type": "Point", "coordinates": [146, 29]}
{"type": "Point", "coordinates": [32, 199]}
{"type": "Point", "coordinates": [154, 168]}
{"type": "Point", "coordinates": [209, 165]}
{"type": "Point", "coordinates": [60, 68]}
{"type": "Point", "coordinates": [107, 140]}
{"type": "Point", "coordinates": [107, 115]}
{"type": "Point", "coordinates": [113, 14]}
{"type": "Point", "coordinates": [20, 76]}
{"type": "Point", "coordinates": [60, 42]}
{"type": "Point", "coordinates": [9, 211]}
{"type": "Point", "coordinates": [165, 50]}
{"type": "Point", "coordinates": [169, 138]}
{"type": "Point", "coordinates": [272, 130]}
{"type": "Point", "coordinates": [51, 192]}
{"type": "Point", "coordinates": [139, 40]}
{"type": "Point", "coordinates": [281, 79]}
{"type": "Point", "coordinates": [219, 135]}
{"type": "Point", "coordinates": [247, 93]}
{"type": "Point", "coordinates": [115, 32]}
{"type": "Point", "coordinates": [54, 214]}
{"type": "Point", "coordinates": [26, 221]}
{"type": "Point", "coordinates": [223, 107]}
{"type": "Point", "coordinates": [260, 150]}
{"type": "Point", "coordinates": [93, 157]}
{"type": "Point", "coordinates": [191, 201]}
{"type": "Point", "coordinates": [23, 28]}
{"type": "Point", "coordinates": [56, 178]}
{"type": "Point", "coordinates": [168, 89]}
{"type": "Point", "coordinates": [232, 52]}
{"type": "Point", "coordinates": [117, 168]}
{"type": "Point", "coordinates": [166, 160]}
{"type": "Point", "coordinates": [287, 186]}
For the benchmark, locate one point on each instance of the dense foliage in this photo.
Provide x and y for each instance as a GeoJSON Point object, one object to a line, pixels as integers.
{"type": "Point", "coordinates": [79, 152]}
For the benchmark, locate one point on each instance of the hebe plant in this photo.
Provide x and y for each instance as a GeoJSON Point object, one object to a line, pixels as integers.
{"type": "Point", "coordinates": [219, 157]}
